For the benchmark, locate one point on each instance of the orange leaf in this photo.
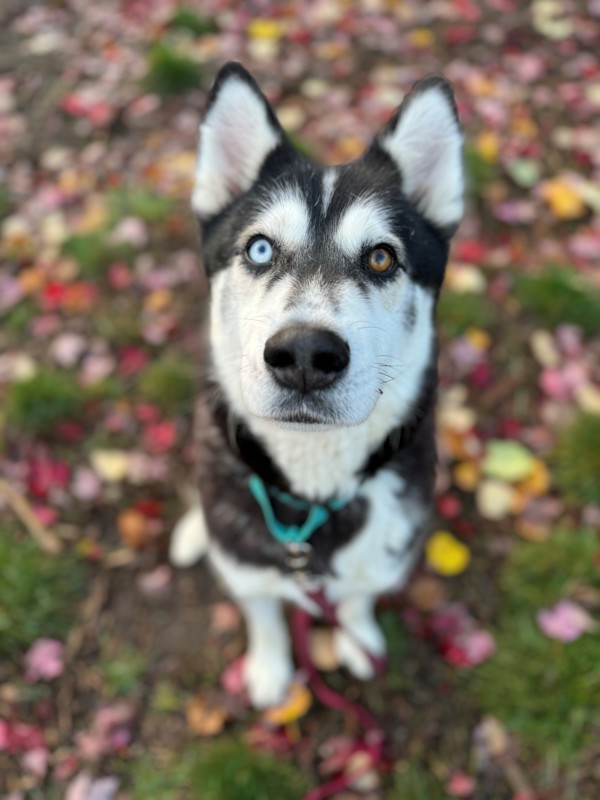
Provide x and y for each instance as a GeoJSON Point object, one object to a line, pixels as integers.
{"type": "Point", "coordinates": [205, 717]}
{"type": "Point", "coordinates": [296, 705]}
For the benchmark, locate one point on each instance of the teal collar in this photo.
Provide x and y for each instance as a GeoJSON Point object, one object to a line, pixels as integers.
{"type": "Point", "coordinates": [317, 514]}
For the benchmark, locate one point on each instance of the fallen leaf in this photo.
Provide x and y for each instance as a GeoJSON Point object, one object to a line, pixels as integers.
{"type": "Point", "coordinates": [110, 465]}
{"type": "Point", "coordinates": [507, 460]}
{"type": "Point", "coordinates": [566, 621]}
{"type": "Point", "coordinates": [460, 785]}
{"type": "Point", "coordinates": [297, 704]}
{"type": "Point", "coordinates": [205, 717]}
{"type": "Point", "coordinates": [494, 499]}
{"type": "Point", "coordinates": [44, 660]}
{"type": "Point", "coordinates": [322, 649]}
{"type": "Point", "coordinates": [133, 528]}
{"type": "Point", "coordinates": [446, 554]}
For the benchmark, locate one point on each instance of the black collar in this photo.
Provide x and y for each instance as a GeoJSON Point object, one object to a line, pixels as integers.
{"type": "Point", "coordinates": [250, 450]}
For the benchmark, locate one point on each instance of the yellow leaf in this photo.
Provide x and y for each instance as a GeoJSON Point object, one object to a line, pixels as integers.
{"type": "Point", "coordinates": [262, 28]}
{"type": "Point", "coordinates": [537, 482]}
{"type": "Point", "coordinates": [111, 465]}
{"type": "Point", "coordinates": [466, 476]}
{"type": "Point", "coordinates": [421, 37]}
{"type": "Point", "coordinates": [563, 198]}
{"type": "Point", "coordinates": [158, 300]}
{"type": "Point", "coordinates": [296, 705]}
{"type": "Point", "coordinates": [488, 146]}
{"type": "Point", "coordinates": [446, 554]}
{"type": "Point", "coordinates": [478, 338]}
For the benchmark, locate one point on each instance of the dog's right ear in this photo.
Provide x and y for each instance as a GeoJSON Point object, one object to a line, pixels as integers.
{"type": "Point", "coordinates": [238, 132]}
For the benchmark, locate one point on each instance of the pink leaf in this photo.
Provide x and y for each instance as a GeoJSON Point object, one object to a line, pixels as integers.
{"type": "Point", "coordinates": [44, 660]}
{"type": "Point", "coordinates": [36, 761]}
{"type": "Point", "coordinates": [460, 785]}
{"type": "Point", "coordinates": [566, 621]}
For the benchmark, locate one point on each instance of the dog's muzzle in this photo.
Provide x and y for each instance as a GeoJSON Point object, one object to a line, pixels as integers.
{"type": "Point", "coordinates": [306, 359]}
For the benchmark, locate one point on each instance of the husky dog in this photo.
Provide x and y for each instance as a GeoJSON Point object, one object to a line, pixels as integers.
{"type": "Point", "coordinates": [316, 452]}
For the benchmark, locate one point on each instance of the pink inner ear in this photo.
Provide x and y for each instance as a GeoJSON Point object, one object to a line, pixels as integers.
{"type": "Point", "coordinates": [235, 139]}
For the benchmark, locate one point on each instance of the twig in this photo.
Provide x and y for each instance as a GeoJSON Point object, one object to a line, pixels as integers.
{"type": "Point", "coordinates": [47, 540]}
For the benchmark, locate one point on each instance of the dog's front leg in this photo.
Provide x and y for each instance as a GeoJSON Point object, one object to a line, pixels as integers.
{"type": "Point", "coordinates": [268, 667]}
{"type": "Point", "coordinates": [359, 642]}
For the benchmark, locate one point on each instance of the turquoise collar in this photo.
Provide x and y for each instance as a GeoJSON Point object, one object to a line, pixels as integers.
{"type": "Point", "coordinates": [317, 514]}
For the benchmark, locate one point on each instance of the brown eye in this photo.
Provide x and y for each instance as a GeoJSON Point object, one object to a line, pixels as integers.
{"type": "Point", "coordinates": [381, 259]}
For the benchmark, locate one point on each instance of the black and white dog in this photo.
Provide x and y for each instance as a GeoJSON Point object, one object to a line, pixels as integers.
{"type": "Point", "coordinates": [317, 453]}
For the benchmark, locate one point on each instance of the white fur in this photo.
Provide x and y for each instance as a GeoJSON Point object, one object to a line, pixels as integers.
{"type": "Point", "coordinates": [268, 666]}
{"type": "Point", "coordinates": [384, 357]}
{"type": "Point", "coordinates": [330, 177]}
{"type": "Point", "coordinates": [189, 540]}
{"type": "Point", "coordinates": [365, 222]}
{"type": "Point", "coordinates": [285, 220]}
{"type": "Point", "coordinates": [426, 144]}
{"type": "Point", "coordinates": [236, 136]}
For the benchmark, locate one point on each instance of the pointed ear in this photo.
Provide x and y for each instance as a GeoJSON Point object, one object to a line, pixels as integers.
{"type": "Point", "coordinates": [238, 132]}
{"type": "Point", "coordinates": [425, 142]}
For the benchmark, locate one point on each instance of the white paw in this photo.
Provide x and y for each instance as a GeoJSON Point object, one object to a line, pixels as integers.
{"type": "Point", "coordinates": [352, 656]}
{"type": "Point", "coordinates": [267, 680]}
{"type": "Point", "coordinates": [189, 540]}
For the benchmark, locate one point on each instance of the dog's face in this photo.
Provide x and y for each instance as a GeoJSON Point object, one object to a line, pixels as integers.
{"type": "Point", "coordinates": [324, 280]}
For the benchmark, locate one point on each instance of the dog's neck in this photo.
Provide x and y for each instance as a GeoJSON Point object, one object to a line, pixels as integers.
{"type": "Point", "coordinates": [323, 465]}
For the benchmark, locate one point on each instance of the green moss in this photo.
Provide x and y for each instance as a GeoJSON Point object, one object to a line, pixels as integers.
{"type": "Point", "coordinates": [38, 404]}
{"type": "Point", "coordinates": [479, 172]}
{"type": "Point", "coordinates": [124, 671]}
{"type": "Point", "coordinates": [543, 690]}
{"type": "Point", "coordinates": [39, 594]}
{"type": "Point", "coordinates": [18, 318]}
{"type": "Point", "coordinates": [560, 295]}
{"type": "Point", "coordinates": [6, 202]}
{"type": "Point", "coordinates": [230, 769]}
{"type": "Point", "coordinates": [188, 20]}
{"type": "Point", "coordinates": [94, 253]}
{"type": "Point", "coordinates": [171, 73]}
{"type": "Point", "coordinates": [169, 383]}
{"type": "Point", "coordinates": [458, 312]}
{"type": "Point", "coordinates": [119, 324]}
{"type": "Point", "coordinates": [165, 781]}
{"type": "Point", "coordinates": [222, 770]}
{"type": "Point", "coordinates": [413, 782]}
{"type": "Point", "coordinates": [576, 461]}
{"type": "Point", "coordinates": [138, 202]}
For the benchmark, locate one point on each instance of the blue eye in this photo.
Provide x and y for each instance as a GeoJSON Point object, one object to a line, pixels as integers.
{"type": "Point", "coordinates": [260, 251]}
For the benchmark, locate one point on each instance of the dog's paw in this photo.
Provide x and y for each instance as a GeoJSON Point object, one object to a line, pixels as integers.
{"type": "Point", "coordinates": [350, 654]}
{"type": "Point", "coordinates": [267, 680]}
{"type": "Point", "coordinates": [189, 540]}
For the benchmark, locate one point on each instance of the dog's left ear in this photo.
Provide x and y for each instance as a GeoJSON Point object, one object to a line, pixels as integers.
{"type": "Point", "coordinates": [238, 132]}
{"type": "Point", "coordinates": [424, 140]}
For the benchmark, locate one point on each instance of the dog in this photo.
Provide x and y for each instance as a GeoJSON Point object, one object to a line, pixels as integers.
{"type": "Point", "coordinates": [316, 430]}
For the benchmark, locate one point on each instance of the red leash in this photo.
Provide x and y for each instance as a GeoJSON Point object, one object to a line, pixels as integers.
{"type": "Point", "coordinates": [373, 738]}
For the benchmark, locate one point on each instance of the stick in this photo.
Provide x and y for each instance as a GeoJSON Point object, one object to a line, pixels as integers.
{"type": "Point", "coordinates": [47, 540]}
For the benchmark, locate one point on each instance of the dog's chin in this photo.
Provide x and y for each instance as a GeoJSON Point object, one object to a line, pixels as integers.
{"type": "Point", "coordinates": [306, 420]}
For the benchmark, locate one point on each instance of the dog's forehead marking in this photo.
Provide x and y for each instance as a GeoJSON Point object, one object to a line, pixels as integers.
{"type": "Point", "coordinates": [284, 218]}
{"type": "Point", "coordinates": [366, 221]}
{"type": "Point", "coordinates": [330, 177]}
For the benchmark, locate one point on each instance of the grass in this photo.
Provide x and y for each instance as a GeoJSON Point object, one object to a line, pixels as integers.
{"type": "Point", "coordinates": [559, 295]}
{"type": "Point", "coordinates": [169, 383]}
{"type": "Point", "coordinates": [458, 312]}
{"type": "Point", "coordinates": [221, 770]}
{"type": "Point", "coordinates": [18, 319]}
{"type": "Point", "coordinates": [538, 687]}
{"type": "Point", "coordinates": [94, 253]}
{"type": "Point", "coordinates": [412, 782]}
{"type": "Point", "coordinates": [187, 20]}
{"type": "Point", "coordinates": [576, 460]}
{"type": "Point", "coordinates": [39, 594]}
{"type": "Point", "coordinates": [138, 202]}
{"type": "Point", "coordinates": [479, 171]}
{"type": "Point", "coordinates": [39, 403]}
{"type": "Point", "coordinates": [170, 73]}
{"type": "Point", "coordinates": [123, 672]}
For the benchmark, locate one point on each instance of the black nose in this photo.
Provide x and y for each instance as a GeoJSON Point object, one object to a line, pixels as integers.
{"type": "Point", "coordinates": [306, 358]}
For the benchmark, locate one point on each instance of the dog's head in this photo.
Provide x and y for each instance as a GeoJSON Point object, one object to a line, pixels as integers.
{"type": "Point", "coordinates": [324, 280]}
